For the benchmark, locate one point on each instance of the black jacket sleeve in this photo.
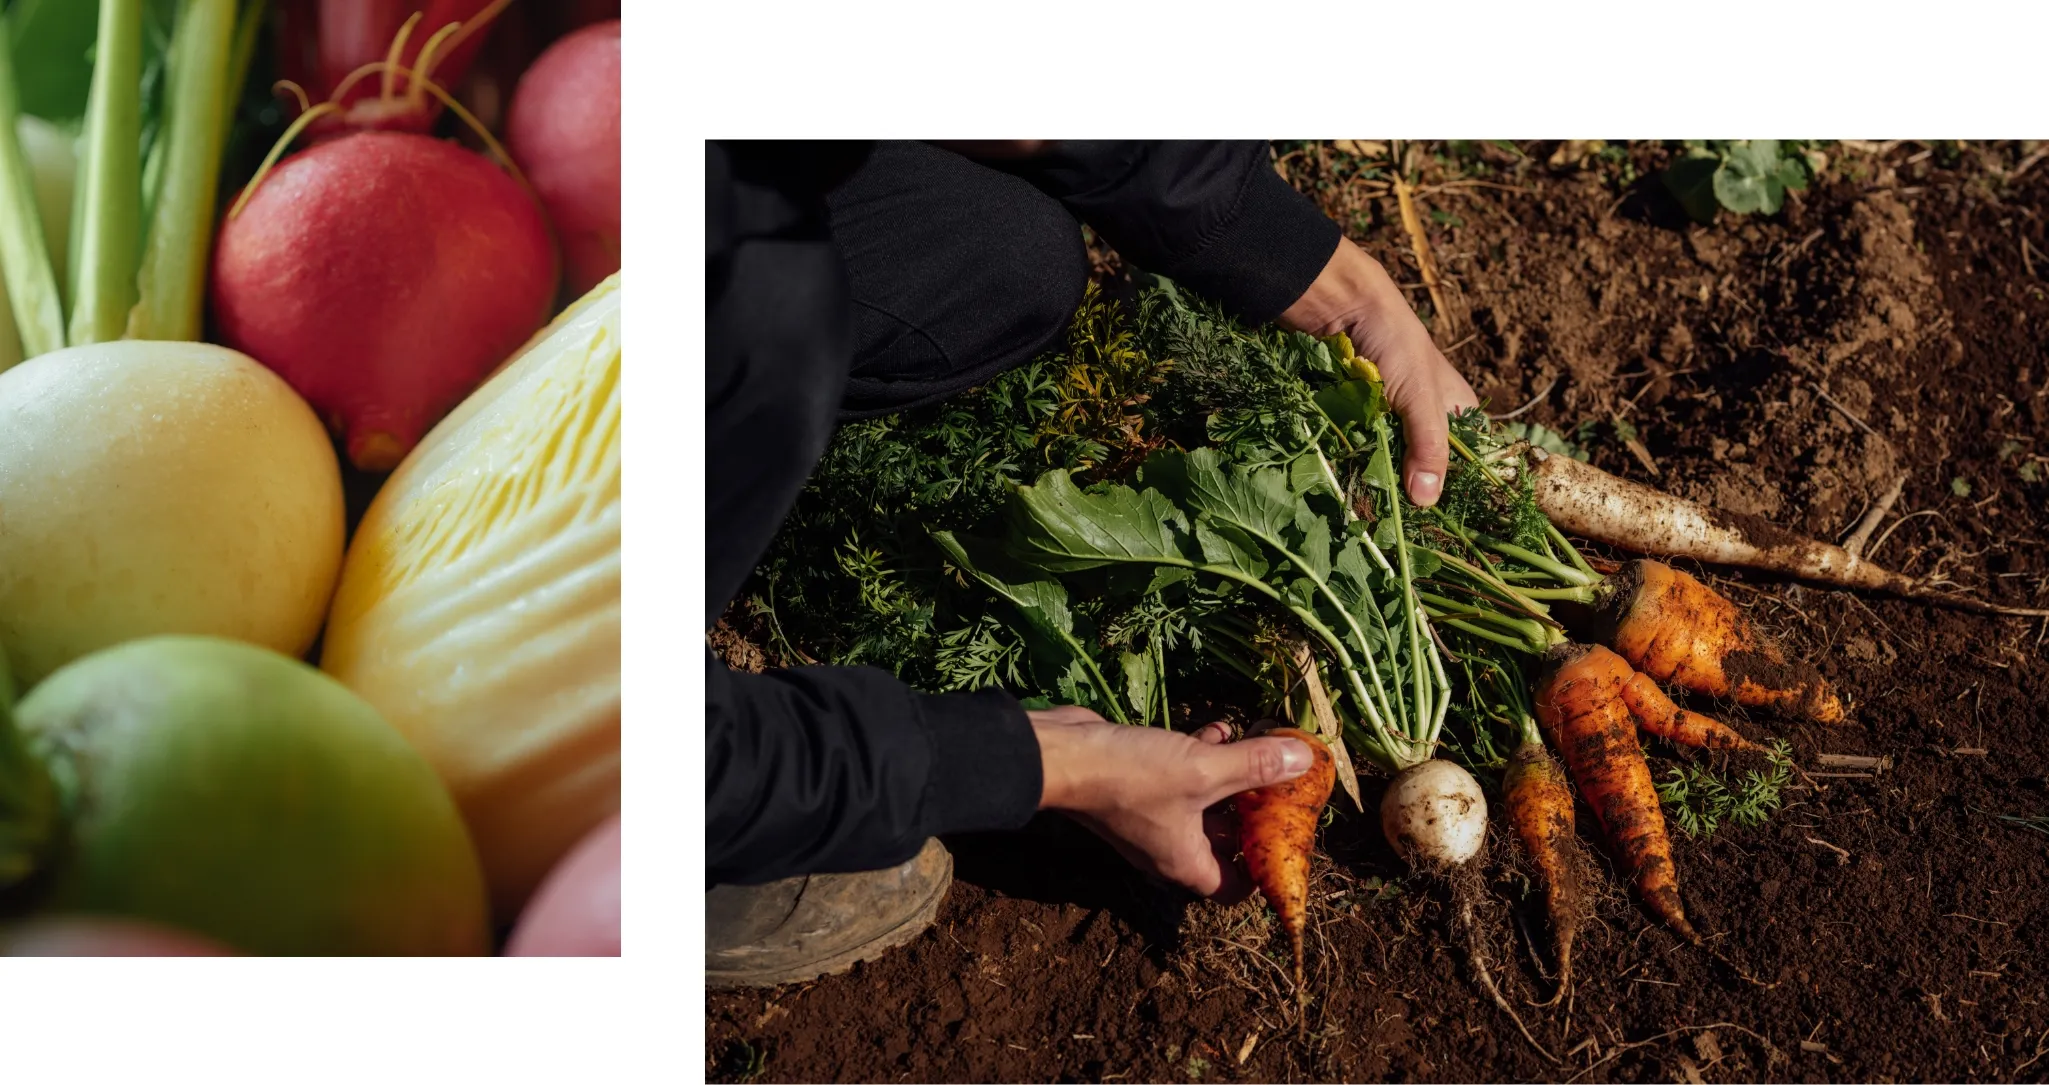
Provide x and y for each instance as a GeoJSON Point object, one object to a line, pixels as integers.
{"type": "Point", "coordinates": [1213, 215]}
{"type": "Point", "coordinates": [814, 769]}
{"type": "Point", "coordinates": [818, 770]}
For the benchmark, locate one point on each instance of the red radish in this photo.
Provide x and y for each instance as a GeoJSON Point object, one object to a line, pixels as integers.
{"type": "Point", "coordinates": [576, 911]}
{"type": "Point", "coordinates": [321, 45]}
{"type": "Point", "coordinates": [383, 275]}
{"type": "Point", "coordinates": [563, 130]}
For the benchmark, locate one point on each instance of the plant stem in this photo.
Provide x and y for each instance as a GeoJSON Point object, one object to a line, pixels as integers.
{"type": "Point", "coordinates": [24, 252]}
{"type": "Point", "coordinates": [1531, 558]}
{"type": "Point", "coordinates": [1579, 560]}
{"type": "Point", "coordinates": [1586, 594]}
{"type": "Point", "coordinates": [107, 215]}
{"type": "Point", "coordinates": [173, 279]}
{"type": "Point", "coordinates": [1423, 657]}
{"type": "Point", "coordinates": [241, 55]}
{"type": "Point", "coordinates": [1505, 641]}
{"type": "Point", "coordinates": [1534, 636]}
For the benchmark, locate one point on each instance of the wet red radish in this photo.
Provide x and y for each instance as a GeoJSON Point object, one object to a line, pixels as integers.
{"type": "Point", "coordinates": [383, 275]}
{"type": "Point", "coordinates": [563, 130]}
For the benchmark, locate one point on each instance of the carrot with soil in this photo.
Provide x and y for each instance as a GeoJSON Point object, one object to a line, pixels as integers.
{"type": "Point", "coordinates": [1540, 807]}
{"type": "Point", "coordinates": [1675, 629]}
{"type": "Point", "coordinates": [1509, 566]}
{"type": "Point", "coordinates": [1277, 831]}
{"type": "Point", "coordinates": [1658, 715]}
{"type": "Point", "coordinates": [1533, 791]}
{"type": "Point", "coordinates": [1583, 713]}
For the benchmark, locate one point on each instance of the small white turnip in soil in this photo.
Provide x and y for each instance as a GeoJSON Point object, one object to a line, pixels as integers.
{"type": "Point", "coordinates": [1436, 817]}
{"type": "Point", "coordinates": [1434, 814]}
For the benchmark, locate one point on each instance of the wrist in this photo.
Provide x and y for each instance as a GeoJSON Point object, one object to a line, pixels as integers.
{"type": "Point", "coordinates": [1061, 764]}
{"type": "Point", "coordinates": [1352, 288]}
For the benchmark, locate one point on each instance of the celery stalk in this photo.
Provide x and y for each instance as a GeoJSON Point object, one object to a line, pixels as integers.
{"type": "Point", "coordinates": [107, 222]}
{"type": "Point", "coordinates": [24, 254]}
{"type": "Point", "coordinates": [174, 262]}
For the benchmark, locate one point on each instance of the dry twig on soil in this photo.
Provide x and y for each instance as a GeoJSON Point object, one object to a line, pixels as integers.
{"type": "Point", "coordinates": [1405, 196]}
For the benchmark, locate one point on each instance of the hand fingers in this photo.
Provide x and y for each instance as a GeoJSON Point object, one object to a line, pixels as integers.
{"type": "Point", "coordinates": [1220, 824]}
{"type": "Point", "coordinates": [1424, 388]}
{"type": "Point", "coordinates": [1191, 861]}
{"type": "Point", "coordinates": [1429, 449]}
{"type": "Point", "coordinates": [1214, 734]}
{"type": "Point", "coordinates": [1254, 762]}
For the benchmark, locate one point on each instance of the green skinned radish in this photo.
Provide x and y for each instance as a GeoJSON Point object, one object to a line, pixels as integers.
{"type": "Point", "coordinates": [218, 788]}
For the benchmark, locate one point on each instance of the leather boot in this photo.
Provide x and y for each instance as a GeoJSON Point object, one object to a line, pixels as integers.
{"type": "Point", "coordinates": [820, 925]}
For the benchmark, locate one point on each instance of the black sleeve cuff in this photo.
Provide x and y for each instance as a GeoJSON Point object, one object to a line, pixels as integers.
{"type": "Point", "coordinates": [1267, 255]}
{"type": "Point", "coordinates": [986, 772]}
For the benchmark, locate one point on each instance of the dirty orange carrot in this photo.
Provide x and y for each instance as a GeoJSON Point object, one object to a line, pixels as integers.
{"type": "Point", "coordinates": [1584, 717]}
{"type": "Point", "coordinates": [1540, 807]}
{"type": "Point", "coordinates": [1672, 627]}
{"type": "Point", "coordinates": [1661, 717]}
{"type": "Point", "coordinates": [1277, 831]}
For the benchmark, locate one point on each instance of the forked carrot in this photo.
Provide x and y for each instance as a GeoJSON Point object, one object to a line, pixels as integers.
{"type": "Point", "coordinates": [1277, 832]}
{"type": "Point", "coordinates": [1672, 627]}
{"type": "Point", "coordinates": [1581, 709]}
{"type": "Point", "coordinates": [1661, 717]}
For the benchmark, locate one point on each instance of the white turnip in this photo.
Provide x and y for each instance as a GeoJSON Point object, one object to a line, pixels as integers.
{"type": "Point", "coordinates": [1434, 814]}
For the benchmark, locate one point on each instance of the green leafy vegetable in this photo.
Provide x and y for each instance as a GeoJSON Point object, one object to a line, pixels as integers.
{"type": "Point", "coordinates": [1742, 176]}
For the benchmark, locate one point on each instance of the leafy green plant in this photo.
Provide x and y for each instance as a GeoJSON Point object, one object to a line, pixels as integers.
{"type": "Point", "coordinates": [1700, 800]}
{"type": "Point", "coordinates": [1102, 382]}
{"type": "Point", "coordinates": [1172, 493]}
{"type": "Point", "coordinates": [1551, 440]}
{"type": "Point", "coordinates": [1741, 176]}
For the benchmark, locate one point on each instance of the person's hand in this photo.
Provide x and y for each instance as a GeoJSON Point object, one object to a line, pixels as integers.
{"type": "Point", "coordinates": [1154, 794]}
{"type": "Point", "coordinates": [1354, 295]}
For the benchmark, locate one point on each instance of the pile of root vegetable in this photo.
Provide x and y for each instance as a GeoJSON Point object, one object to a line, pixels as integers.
{"type": "Point", "coordinates": [310, 461]}
{"type": "Point", "coordinates": [1174, 500]}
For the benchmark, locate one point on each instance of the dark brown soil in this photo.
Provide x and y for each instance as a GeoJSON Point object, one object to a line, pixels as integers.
{"type": "Point", "coordinates": [1886, 926]}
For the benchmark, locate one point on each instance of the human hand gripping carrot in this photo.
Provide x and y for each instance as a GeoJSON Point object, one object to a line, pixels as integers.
{"type": "Point", "coordinates": [1354, 295]}
{"type": "Point", "coordinates": [1157, 796]}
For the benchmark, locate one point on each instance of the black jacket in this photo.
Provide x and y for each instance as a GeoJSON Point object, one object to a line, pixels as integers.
{"type": "Point", "coordinates": [824, 769]}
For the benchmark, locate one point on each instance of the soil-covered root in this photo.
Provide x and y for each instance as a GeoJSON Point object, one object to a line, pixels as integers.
{"type": "Point", "coordinates": [1540, 807]}
{"type": "Point", "coordinates": [1670, 626]}
{"type": "Point", "coordinates": [1583, 715]}
{"type": "Point", "coordinates": [1658, 715]}
{"type": "Point", "coordinates": [1467, 891]}
{"type": "Point", "coordinates": [1584, 500]}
